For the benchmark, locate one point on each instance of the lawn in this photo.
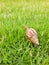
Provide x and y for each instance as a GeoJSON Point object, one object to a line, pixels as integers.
{"type": "Point", "coordinates": [15, 49]}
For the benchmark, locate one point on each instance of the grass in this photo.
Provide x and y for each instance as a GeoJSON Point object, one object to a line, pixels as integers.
{"type": "Point", "coordinates": [14, 47]}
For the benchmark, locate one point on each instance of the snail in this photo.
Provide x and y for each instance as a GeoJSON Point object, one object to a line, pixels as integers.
{"type": "Point", "coordinates": [31, 35]}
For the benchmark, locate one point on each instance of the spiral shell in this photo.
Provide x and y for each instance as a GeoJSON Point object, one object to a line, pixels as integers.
{"type": "Point", "coordinates": [31, 34]}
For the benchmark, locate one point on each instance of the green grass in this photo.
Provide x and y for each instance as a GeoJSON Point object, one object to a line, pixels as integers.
{"type": "Point", "coordinates": [14, 47]}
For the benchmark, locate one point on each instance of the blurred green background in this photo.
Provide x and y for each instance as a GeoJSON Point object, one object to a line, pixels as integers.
{"type": "Point", "coordinates": [14, 47]}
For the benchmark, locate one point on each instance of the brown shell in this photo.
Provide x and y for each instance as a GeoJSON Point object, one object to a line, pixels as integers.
{"type": "Point", "coordinates": [31, 34]}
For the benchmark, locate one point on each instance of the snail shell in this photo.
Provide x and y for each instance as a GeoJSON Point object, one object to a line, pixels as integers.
{"type": "Point", "coordinates": [31, 34]}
